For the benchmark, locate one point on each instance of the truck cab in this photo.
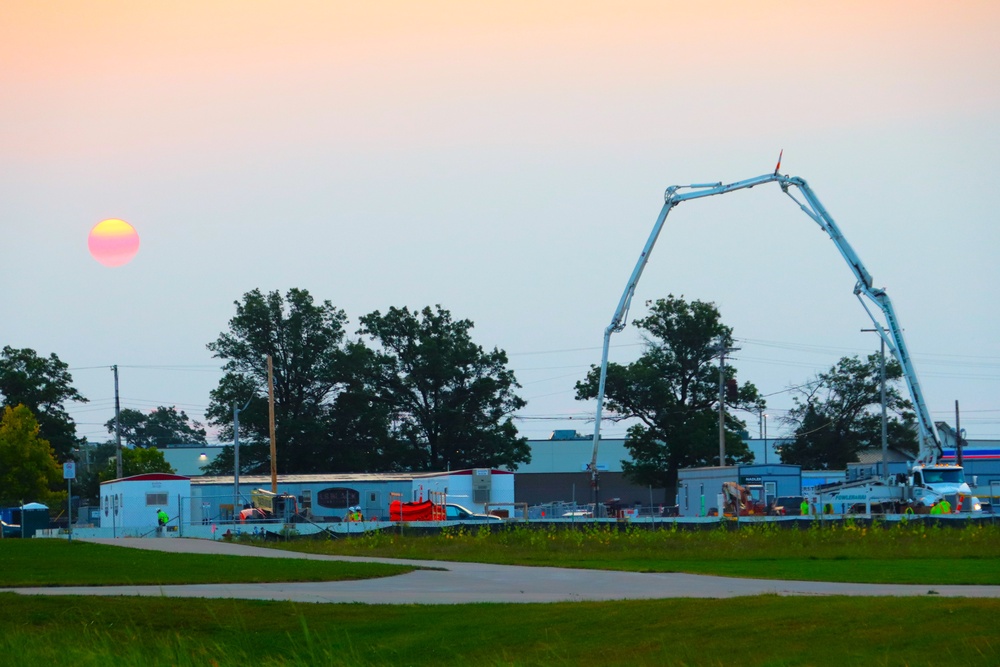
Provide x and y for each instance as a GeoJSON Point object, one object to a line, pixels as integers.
{"type": "Point", "coordinates": [931, 482]}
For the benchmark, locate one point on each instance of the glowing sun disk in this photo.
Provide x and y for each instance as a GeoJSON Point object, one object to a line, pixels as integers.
{"type": "Point", "coordinates": [113, 242]}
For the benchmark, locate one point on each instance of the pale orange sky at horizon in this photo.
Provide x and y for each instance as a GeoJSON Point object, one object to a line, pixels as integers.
{"type": "Point", "coordinates": [118, 66]}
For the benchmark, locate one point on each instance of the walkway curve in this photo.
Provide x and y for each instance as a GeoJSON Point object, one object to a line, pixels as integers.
{"type": "Point", "coordinates": [457, 583]}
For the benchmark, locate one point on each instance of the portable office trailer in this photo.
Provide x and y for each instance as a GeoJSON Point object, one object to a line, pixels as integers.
{"type": "Point", "coordinates": [130, 504]}
{"type": "Point", "coordinates": [326, 498]}
{"type": "Point", "coordinates": [698, 489]}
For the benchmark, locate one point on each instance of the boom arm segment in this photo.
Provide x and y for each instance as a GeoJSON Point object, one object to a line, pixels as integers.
{"type": "Point", "coordinates": [930, 445]}
{"type": "Point", "coordinates": [671, 198]}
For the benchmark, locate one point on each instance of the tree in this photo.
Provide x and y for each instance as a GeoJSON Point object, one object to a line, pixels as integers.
{"type": "Point", "coordinates": [839, 415]}
{"type": "Point", "coordinates": [88, 471]}
{"type": "Point", "coordinates": [161, 427]}
{"type": "Point", "coordinates": [29, 471]}
{"type": "Point", "coordinates": [314, 369]}
{"type": "Point", "coordinates": [43, 385]}
{"type": "Point", "coordinates": [450, 401]}
{"type": "Point", "coordinates": [136, 461]}
{"type": "Point", "coordinates": [673, 392]}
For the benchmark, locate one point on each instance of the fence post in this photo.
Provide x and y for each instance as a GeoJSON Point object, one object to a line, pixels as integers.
{"type": "Point", "coordinates": [180, 517]}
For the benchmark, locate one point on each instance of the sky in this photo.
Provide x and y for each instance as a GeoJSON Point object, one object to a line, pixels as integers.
{"type": "Point", "coordinates": [506, 160]}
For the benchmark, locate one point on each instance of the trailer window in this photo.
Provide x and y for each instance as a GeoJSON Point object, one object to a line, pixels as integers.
{"type": "Point", "coordinates": [154, 499]}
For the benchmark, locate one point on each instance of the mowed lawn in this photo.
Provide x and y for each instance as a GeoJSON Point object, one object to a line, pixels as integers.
{"type": "Point", "coordinates": [51, 562]}
{"type": "Point", "coordinates": [918, 553]}
{"type": "Point", "coordinates": [750, 631]}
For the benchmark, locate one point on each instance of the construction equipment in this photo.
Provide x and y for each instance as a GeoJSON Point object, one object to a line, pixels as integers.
{"type": "Point", "coordinates": [269, 506]}
{"type": "Point", "coordinates": [889, 330]}
{"type": "Point", "coordinates": [920, 488]}
{"type": "Point", "coordinates": [738, 501]}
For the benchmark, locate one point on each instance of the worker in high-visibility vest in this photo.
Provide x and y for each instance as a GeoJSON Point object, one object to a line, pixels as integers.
{"type": "Point", "coordinates": [804, 507]}
{"type": "Point", "coordinates": [945, 506]}
{"type": "Point", "coordinates": [936, 507]}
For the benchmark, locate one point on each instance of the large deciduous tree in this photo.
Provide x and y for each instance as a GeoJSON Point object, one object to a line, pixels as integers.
{"type": "Point", "coordinates": [673, 392]}
{"type": "Point", "coordinates": [839, 414]}
{"type": "Point", "coordinates": [161, 427]}
{"type": "Point", "coordinates": [451, 402]}
{"type": "Point", "coordinates": [29, 471]}
{"type": "Point", "coordinates": [136, 461]}
{"type": "Point", "coordinates": [43, 385]}
{"type": "Point", "coordinates": [314, 368]}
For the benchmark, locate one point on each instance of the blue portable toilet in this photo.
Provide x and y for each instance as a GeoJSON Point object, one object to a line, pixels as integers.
{"type": "Point", "coordinates": [34, 516]}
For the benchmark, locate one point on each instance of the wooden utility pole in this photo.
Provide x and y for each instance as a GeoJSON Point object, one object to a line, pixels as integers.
{"type": "Point", "coordinates": [118, 428]}
{"type": "Point", "coordinates": [270, 414]}
{"type": "Point", "coordinates": [723, 351]}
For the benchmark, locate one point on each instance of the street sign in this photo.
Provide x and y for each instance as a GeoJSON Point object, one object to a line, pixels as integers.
{"type": "Point", "coordinates": [69, 470]}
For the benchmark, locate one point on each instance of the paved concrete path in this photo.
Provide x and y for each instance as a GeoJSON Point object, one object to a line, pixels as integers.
{"type": "Point", "coordinates": [455, 583]}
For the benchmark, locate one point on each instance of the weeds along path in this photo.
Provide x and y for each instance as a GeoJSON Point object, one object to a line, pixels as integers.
{"type": "Point", "coordinates": [456, 583]}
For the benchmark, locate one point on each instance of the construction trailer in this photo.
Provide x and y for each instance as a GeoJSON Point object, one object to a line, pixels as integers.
{"type": "Point", "coordinates": [327, 498]}
{"type": "Point", "coordinates": [700, 490]}
{"type": "Point", "coordinates": [129, 505]}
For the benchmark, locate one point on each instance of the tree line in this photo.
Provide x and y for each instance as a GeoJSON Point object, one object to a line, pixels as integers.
{"type": "Point", "coordinates": [412, 391]}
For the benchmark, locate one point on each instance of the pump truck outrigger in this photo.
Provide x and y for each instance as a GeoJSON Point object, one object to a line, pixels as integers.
{"type": "Point", "coordinates": [913, 487]}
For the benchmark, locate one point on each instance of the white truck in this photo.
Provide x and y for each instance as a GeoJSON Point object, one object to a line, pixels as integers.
{"type": "Point", "coordinates": [924, 485]}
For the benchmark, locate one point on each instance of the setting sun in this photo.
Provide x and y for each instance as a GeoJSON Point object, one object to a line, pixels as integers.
{"type": "Point", "coordinates": [113, 242]}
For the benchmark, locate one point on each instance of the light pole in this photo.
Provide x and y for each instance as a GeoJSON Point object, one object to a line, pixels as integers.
{"type": "Point", "coordinates": [765, 437]}
{"type": "Point", "coordinates": [885, 425]}
{"type": "Point", "coordinates": [723, 350]}
{"type": "Point", "coordinates": [236, 458]}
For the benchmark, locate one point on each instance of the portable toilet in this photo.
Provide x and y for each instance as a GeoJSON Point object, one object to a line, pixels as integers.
{"type": "Point", "coordinates": [34, 516]}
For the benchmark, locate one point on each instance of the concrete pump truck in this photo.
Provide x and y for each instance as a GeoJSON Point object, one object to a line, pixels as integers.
{"type": "Point", "coordinates": [927, 480]}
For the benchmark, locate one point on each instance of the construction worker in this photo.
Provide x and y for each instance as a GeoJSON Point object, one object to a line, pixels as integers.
{"type": "Point", "coordinates": [945, 506]}
{"type": "Point", "coordinates": [936, 507]}
{"type": "Point", "coordinates": [804, 507]}
{"type": "Point", "coordinates": [161, 521]}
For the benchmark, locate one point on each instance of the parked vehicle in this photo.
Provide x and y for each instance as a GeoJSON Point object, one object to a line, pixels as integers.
{"type": "Point", "coordinates": [455, 512]}
{"type": "Point", "coordinates": [428, 511]}
{"type": "Point", "coordinates": [786, 506]}
{"type": "Point", "coordinates": [11, 529]}
{"type": "Point", "coordinates": [921, 487]}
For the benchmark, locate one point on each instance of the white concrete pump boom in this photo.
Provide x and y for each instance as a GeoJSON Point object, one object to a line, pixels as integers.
{"type": "Point", "coordinates": [890, 331]}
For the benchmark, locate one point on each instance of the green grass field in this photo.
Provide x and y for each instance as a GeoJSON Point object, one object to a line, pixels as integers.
{"type": "Point", "coordinates": [37, 562]}
{"type": "Point", "coordinates": [913, 554]}
{"type": "Point", "coordinates": [766, 631]}
{"type": "Point", "coordinates": [760, 631]}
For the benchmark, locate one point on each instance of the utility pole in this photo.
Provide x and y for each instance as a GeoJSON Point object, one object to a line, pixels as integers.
{"type": "Point", "coordinates": [885, 423]}
{"type": "Point", "coordinates": [765, 438]}
{"type": "Point", "coordinates": [958, 437]}
{"type": "Point", "coordinates": [270, 399]}
{"type": "Point", "coordinates": [723, 350]}
{"type": "Point", "coordinates": [236, 457]}
{"type": "Point", "coordinates": [118, 430]}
